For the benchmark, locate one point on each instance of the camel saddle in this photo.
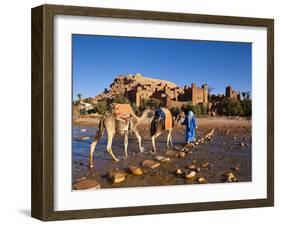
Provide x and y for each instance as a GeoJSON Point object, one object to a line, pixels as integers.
{"type": "Point", "coordinates": [123, 111]}
{"type": "Point", "coordinates": [168, 118]}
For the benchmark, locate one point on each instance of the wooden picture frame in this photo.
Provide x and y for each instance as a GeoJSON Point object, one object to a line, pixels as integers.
{"type": "Point", "coordinates": [43, 112]}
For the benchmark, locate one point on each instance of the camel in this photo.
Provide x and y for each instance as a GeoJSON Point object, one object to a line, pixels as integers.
{"type": "Point", "coordinates": [157, 128]}
{"type": "Point", "coordinates": [112, 124]}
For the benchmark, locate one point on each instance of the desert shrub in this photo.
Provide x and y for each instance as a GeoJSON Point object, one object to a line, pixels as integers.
{"type": "Point", "coordinates": [88, 100]}
{"type": "Point", "coordinates": [203, 109]}
{"type": "Point", "coordinates": [82, 111]}
{"type": "Point", "coordinates": [230, 107]}
{"type": "Point", "coordinates": [246, 105]}
{"type": "Point", "coordinates": [197, 109]}
{"type": "Point", "coordinates": [120, 99]}
{"type": "Point", "coordinates": [187, 107]}
{"type": "Point", "coordinates": [149, 103]}
{"type": "Point", "coordinates": [101, 107]}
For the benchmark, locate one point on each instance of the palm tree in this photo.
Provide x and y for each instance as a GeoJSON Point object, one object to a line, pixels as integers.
{"type": "Point", "coordinates": [210, 89]}
{"type": "Point", "coordinates": [79, 95]}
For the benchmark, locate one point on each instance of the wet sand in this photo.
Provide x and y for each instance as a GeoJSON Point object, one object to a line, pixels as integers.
{"type": "Point", "coordinates": [223, 153]}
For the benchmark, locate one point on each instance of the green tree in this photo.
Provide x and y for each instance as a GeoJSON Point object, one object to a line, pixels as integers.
{"type": "Point", "coordinates": [231, 107]}
{"type": "Point", "coordinates": [246, 105]}
{"type": "Point", "coordinates": [197, 109]}
{"type": "Point", "coordinates": [79, 95]}
{"type": "Point", "coordinates": [149, 103]}
{"type": "Point", "coordinates": [187, 107]}
{"type": "Point", "coordinates": [101, 107]}
{"type": "Point", "coordinates": [120, 99]}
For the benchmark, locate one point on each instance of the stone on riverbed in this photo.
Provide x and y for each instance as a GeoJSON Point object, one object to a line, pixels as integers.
{"type": "Point", "coordinates": [162, 158]}
{"type": "Point", "coordinates": [205, 165]}
{"type": "Point", "coordinates": [190, 145]}
{"type": "Point", "coordinates": [178, 172]}
{"type": "Point", "coordinates": [202, 180]}
{"type": "Point", "coordinates": [135, 170]}
{"type": "Point", "coordinates": [190, 175]}
{"type": "Point", "coordinates": [231, 177]}
{"type": "Point", "coordinates": [150, 164]}
{"type": "Point", "coordinates": [85, 138]}
{"type": "Point", "coordinates": [171, 153]}
{"type": "Point", "coordinates": [117, 176]}
{"type": "Point", "coordinates": [181, 154]}
{"type": "Point", "coordinates": [191, 166]}
{"type": "Point", "coordinates": [86, 184]}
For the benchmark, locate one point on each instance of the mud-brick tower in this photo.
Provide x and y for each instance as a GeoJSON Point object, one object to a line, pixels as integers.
{"type": "Point", "coordinates": [194, 95]}
{"type": "Point", "coordinates": [228, 91]}
{"type": "Point", "coordinates": [205, 93]}
{"type": "Point", "coordinates": [138, 96]}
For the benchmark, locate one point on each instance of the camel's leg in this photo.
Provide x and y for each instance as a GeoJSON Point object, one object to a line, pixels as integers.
{"type": "Point", "coordinates": [139, 140]}
{"type": "Point", "coordinates": [126, 143]}
{"type": "Point", "coordinates": [153, 140]}
{"type": "Point", "coordinates": [168, 139]}
{"type": "Point", "coordinates": [92, 148]}
{"type": "Point", "coordinates": [171, 142]}
{"type": "Point", "coordinates": [109, 146]}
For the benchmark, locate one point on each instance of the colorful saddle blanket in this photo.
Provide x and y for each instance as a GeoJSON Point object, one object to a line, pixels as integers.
{"type": "Point", "coordinates": [164, 114]}
{"type": "Point", "coordinates": [168, 118]}
{"type": "Point", "coordinates": [123, 111]}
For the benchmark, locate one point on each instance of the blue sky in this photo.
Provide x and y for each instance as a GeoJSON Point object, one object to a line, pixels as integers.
{"type": "Point", "coordinates": [97, 60]}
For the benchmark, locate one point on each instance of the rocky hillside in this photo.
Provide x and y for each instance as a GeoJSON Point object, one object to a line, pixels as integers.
{"type": "Point", "coordinates": [128, 82]}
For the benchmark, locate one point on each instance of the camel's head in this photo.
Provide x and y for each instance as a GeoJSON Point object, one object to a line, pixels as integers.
{"type": "Point", "coordinates": [179, 117]}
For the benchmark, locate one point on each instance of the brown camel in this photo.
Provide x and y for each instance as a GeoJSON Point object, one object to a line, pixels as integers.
{"type": "Point", "coordinates": [112, 124]}
{"type": "Point", "coordinates": [157, 128]}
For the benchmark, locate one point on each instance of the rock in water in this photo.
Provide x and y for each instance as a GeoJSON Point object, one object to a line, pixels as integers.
{"type": "Point", "coordinates": [150, 164]}
{"type": "Point", "coordinates": [190, 145]}
{"type": "Point", "coordinates": [135, 170]}
{"type": "Point", "coordinates": [181, 154]}
{"type": "Point", "coordinates": [202, 180]}
{"type": "Point", "coordinates": [205, 165]}
{"type": "Point", "coordinates": [191, 166]}
{"type": "Point", "coordinates": [171, 153]}
{"type": "Point", "coordinates": [162, 158]}
{"type": "Point", "coordinates": [231, 177]}
{"type": "Point", "coordinates": [117, 176]}
{"type": "Point", "coordinates": [86, 184]}
{"type": "Point", "coordinates": [179, 172]}
{"type": "Point", "coordinates": [85, 138]}
{"type": "Point", "coordinates": [190, 175]}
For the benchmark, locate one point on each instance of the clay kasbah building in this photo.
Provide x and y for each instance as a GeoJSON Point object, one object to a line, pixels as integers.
{"type": "Point", "coordinates": [169, 93]}
{"type": "Point", "coordinates": [138, 87]}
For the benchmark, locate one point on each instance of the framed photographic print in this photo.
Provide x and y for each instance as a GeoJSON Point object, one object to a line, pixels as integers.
{"type": "Point", "coordinates": [141, 112]}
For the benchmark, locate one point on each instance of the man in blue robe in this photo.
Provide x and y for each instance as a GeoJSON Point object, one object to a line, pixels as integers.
{"type": "Point", "coordinates": [191, 126]}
